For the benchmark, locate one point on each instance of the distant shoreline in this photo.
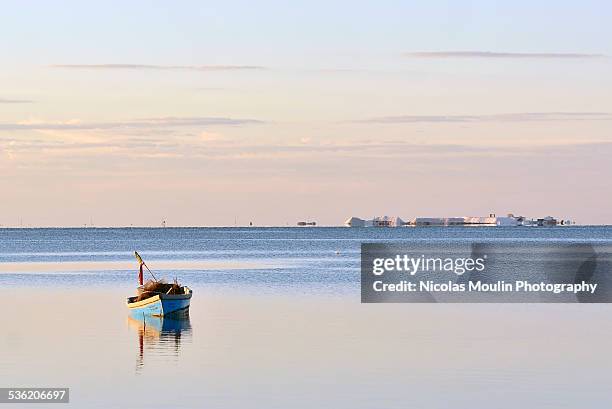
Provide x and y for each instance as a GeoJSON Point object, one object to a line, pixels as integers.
{"type": "Point", "coordinates": [292, 227]}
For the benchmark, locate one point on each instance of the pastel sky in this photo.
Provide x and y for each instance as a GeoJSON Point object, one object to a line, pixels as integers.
{"type": "Point", "coordinates": [216, 113]}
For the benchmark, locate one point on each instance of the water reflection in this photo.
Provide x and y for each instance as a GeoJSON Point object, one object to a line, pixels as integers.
{"type": "Point", "coordinates": [161, 336]}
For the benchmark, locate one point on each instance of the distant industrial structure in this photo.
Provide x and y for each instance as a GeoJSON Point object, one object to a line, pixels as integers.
{"type": "Point", "coordinates": [384, 221]}
{"type": "Point", "coordinates": [492, 220]}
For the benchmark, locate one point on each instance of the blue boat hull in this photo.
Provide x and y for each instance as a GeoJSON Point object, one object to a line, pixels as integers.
{"type": "Point", "coordinates": [160, 305]}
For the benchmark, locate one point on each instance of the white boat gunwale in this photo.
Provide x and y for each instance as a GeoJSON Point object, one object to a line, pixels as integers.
{"type": "Point", "coordinates": [131, 303]}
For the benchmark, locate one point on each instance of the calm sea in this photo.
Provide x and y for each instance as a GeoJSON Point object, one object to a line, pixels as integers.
{"type": "Point", "coordinates": [276, 322]}
{"type": "Point", "coordinates": [323, 259]}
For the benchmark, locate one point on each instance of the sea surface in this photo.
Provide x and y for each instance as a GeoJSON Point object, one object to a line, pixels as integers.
{"type": "Point", "coordinates": [276, 322]}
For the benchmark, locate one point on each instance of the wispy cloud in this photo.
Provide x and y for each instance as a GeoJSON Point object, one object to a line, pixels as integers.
{"type": "Point", "coordinates": [143, 123]}
{"type": "Point", "coordinates": [220, 148]}
{"type": "Point", "coordinates": [512, 117]}
{"type": "Point", "coordinates": [491, 54]}
{"type": "Point", "coordinates": [15, 101]}
{"type": "Point", "coordinates": [158, 67]}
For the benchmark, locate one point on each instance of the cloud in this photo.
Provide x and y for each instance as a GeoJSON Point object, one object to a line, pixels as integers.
{"type": "Point", "coordinates": [143, 123]}
{"type": "Point", "coordinates": [207, 136]}
{"type": "Point", "coordinates": [512, 117]}
{"type": "Point", "coordinates": [211, 146]}
{"type": "Point", "coordinates": [158, 67]}
{"type": "Point", "coordinates": [490, 54]}
{"type": "Point", "coordinates": [388, 150]}
{"type": "Point", "coordinates": [15, 101]}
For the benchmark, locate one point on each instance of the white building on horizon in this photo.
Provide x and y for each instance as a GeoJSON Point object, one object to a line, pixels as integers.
{"type": "Point", "coordinates": [491, 220]}
{"type": "Point", "coordinates": [382, 221]}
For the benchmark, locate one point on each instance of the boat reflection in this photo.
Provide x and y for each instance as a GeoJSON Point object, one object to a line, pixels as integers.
{"type": "Point", "coordinates": [159, 336]}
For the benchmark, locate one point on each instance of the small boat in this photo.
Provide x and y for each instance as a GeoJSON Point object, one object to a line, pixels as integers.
{"type": "Point", "coordinates": [157, 298]}
{"type": "Point", "coordinates": [160, 305]}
